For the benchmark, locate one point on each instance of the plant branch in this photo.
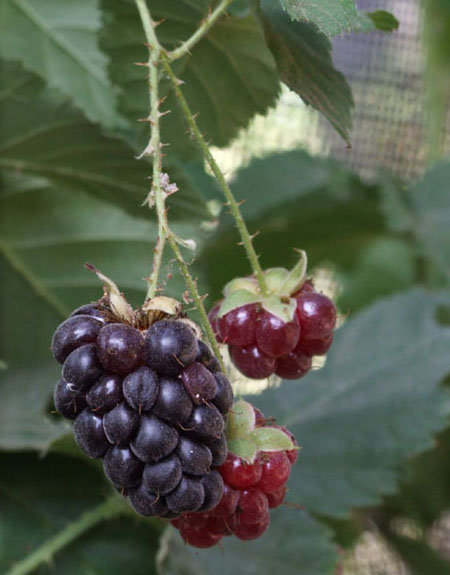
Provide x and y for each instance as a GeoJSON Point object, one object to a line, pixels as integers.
{"type": "Point", "coordinates": [110, 508]}
{"type": "Point", "coordinates": [201, 31]}
{"type": "Point", "coordinates": [154, 146]}
{"type": "Point", "coordinates": [232, 203]}
{"type": "Point", "coordinates": [157, 193]}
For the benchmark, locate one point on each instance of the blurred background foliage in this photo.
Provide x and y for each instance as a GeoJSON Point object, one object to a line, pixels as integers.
{"type": "Point", "coordinates": [371, 491]}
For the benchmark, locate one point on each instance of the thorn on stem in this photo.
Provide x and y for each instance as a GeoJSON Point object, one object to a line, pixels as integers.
{"type": "Point", "coordinates": [161, 114]}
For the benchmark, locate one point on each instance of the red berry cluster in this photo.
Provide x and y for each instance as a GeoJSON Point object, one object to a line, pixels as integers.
{"type": "Point", "coordinates": [261, 343]}
{"type": "Point", "coordinates": [250, 490]}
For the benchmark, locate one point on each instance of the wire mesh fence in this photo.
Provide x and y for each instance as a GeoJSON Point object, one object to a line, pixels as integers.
{"type": "Point", "coordinates": [387, 75]}
{"type": "Point", "coordinates": [386, 72]}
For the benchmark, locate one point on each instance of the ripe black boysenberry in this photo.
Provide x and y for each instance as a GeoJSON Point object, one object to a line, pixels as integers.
{"type": "Point", "coordinates": [148, 398]}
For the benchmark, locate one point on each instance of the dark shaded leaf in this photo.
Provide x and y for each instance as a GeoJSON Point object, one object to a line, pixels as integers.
{"type": "Point", "coordinates": [61, 490]}
{"type": "Point", "coordinates": [303, 57]}
{"type": "Point", "coordinates": [229, 77]}
{"type": "Point", "coordinates": [58, 41]}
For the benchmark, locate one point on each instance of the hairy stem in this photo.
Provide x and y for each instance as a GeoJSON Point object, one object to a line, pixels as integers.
{"type": "Point", "coordinates": [201, 31]}
{"type": "Point", "coordinates": [192, 287]}
{"type": "Point", "coordinates": [246, 238]}
{"type": "Point", "coordinates": [154, 148]}
{"type": "Point", "coordinates": [110, 508]}
{"type": "Point", "coordinates": [154, 145]}
{"type": "Point", "coordinates": [157, 261]}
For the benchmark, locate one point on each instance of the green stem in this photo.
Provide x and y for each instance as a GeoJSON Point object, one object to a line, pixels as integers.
{"type": "Point", "coordinates": [201, 31]}
{"type": "Point", "coordinates": [110, 508]}
{"type": "Point", "coordinates": [157, 261]}
{"type": "Point", "coordinates": [154, 147]}
{"type": "Point", "coordinates": [154, 144]}
{"type": "Point", "coordinates": [210, 160]}
{"type": "Point", "coordinates": [192, 287]}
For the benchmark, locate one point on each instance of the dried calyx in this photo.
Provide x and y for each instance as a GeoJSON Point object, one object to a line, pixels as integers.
{"type": "Point", "coordinates": [114, 306]}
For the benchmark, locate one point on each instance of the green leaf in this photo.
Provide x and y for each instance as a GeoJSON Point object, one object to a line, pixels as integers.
{"type": "Point", "coordinates": [42, 135]}
{"type": "Point", "coordinates": [386, 266]}
{"type": "Point", "coordinates": [24, 423]}
{"type": "Point", "coordinates": [378, 20]}
{"type": "Point", "coordinates": [58, 41]}
{"type": "Point", "coordinates": [330, 16]}
{"type": "Point", "coordinates": [294, 544]}
{"type": "Point", "coordinates": [430, 199]}
{"type": "Point", "coordinates": [229, 77]}
{"type": "Point", "coordinates": [41, 497]}
{"type": "Point", "coordinates": [377, 402]}
{"type": "Point", "coordinates": [303, 58]}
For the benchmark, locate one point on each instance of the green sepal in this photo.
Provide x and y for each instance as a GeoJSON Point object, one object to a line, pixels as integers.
{"type": "Point", "coordinates": [243, 448]}
{"type": "Point", "coordinates": [283, 310]}
{"type": "Point", "coordinates": [275, 278]}
{"type": "Point", "coordinates": [296, 276]}
{"type": "Point", "coordinates": [272, 439]}
{"type": "Point", "coordinates": [248, 284]}
{"type": "Point", "coordinates": [284, 283]}
{"type": "Point", "coordinates": [241, 420]}
{"type": "Point", "coordinates": [237, 299]}
{"type": "Point", "coordinates": [245, 439]}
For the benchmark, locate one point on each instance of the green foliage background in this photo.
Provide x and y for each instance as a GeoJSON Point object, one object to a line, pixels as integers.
{"type": "Point", "coordinates": [72, 191]}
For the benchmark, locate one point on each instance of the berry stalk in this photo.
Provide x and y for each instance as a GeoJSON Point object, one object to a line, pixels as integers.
{"type": "Point", "coordinates": [192, 287]}
{"type": "Point", "coordinates": [246, 238]}
{"type": "Point", "coordinates": [110, 508]}
{"type": "Point", "coordinates": [157, 193]}
{"type": "Point", "coordinates": [154, 145]}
